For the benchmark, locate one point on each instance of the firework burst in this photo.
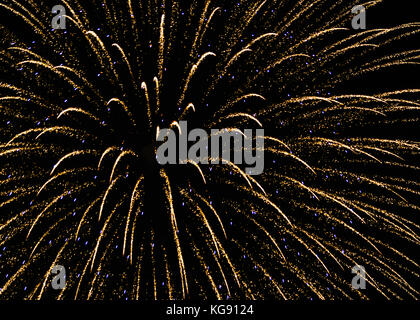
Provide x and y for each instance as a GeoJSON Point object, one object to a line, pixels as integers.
{"type": "Point", "coordinates": [80, 187]}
